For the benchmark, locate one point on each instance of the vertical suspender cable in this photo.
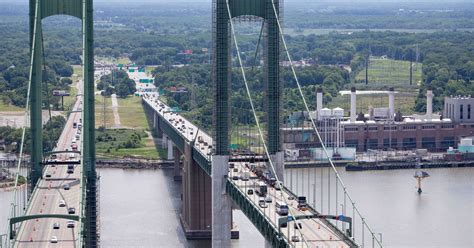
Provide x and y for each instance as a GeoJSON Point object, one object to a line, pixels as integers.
{"type": "Point", "coordinates": [311, 118]}
{"type": "Point", "coordinates": [17, 174]}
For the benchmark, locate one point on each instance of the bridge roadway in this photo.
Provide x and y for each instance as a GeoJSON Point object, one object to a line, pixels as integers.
{"type": "Point", "coordinates": [317, 233]}
{"type": "Point", "coordinates": [49, 192]}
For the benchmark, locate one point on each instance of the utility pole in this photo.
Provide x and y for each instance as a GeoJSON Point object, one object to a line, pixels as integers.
{"type": "Point", "coordinates": [411, 67]}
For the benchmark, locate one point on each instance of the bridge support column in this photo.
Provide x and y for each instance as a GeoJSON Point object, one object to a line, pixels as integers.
{"type": "Point", "coordinates": [221, 204]}
{"type": "Point", "coordinates": [196, 216]}
{"type": "Point", "coordinates": [170, 150]}
{"type": "Point", "coordinates": [164, 141]}
{"type": "Point", "coordinates": [177, 164]}
{"type": "Point", "coordinates": [156, 125]}
{"type": "Point", "coordinates": [278, 160]}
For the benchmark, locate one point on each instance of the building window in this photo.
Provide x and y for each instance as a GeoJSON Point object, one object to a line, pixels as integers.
{"type": "Point", "coordinates": [372, 128]}
{"type": "Point", "coordinates": [447, 126]}
{"type": "Point", "coordinates": [469, 111]}
{"type": "Point", "coordinates": [351, 129]}
{"type": "Point", "coordinates": [351, 143]}
{"type": "Point", "coordinates": [372, 144]}
{"type": "Point", "coordinates": [448, 142]}
{"type": "Point", "coordinates": [428, 142]}
{"type": "Point", "coordinates": [428, 127]}
{"type": "Point", "coordinates": [393, 128]}
{"type": "Point", "coordinates": [461, 111]}
{"type": "Point", "coordinates": [409, 127]}
{"type": "Point", "coordinates": [409, 143]}
{"type": "Point", "coordinates": [386, 143]}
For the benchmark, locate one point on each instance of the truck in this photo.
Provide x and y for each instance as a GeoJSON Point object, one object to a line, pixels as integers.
{"type": "Point", "coordinates": [302, 204]}
{"type": "Point", "coordinates": [261, 189]}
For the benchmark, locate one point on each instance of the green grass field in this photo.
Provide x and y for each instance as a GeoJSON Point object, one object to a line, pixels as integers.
{"type": "Point", "coordinates": [113, 147]}
{"type": "Point", "coordinates": [131, 113]}
{"type": "Point", "coordinates": [403, 102]}
{"type": "Point", "coordinates": [9, 108]}
{"type": "Point", "coordinates": [77, 70]}
{"type": "Point", "coordinates": [99, 112]}
{"type": "Point", "coordinates": [385, 73]}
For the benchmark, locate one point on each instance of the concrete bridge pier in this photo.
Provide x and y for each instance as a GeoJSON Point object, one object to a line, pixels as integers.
{"type": "Point", "coordinates": [278, 160]}
{"type": "Point", "coordinates": [164, 141]}
{"type": "Point", "coordinates": [221, 203]}
{"type": "Point", "coordinates": [170, 150]}
{"type": "Point", "coordinates": [177, 164]}
{"type": "Point", "coordinates": [196, 216]}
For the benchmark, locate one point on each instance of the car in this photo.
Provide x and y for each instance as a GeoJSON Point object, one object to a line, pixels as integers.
{"type": "Point", "coordinates": [70, 171]}
{"type": "Point", "coordinates": [54, 156]}
{"type": "Point", "coordinates": [250, 191]}
{"type": "Point", "coordinates": [231, 165]}
{"type": "Point", "coordinates": [295, 238]}
{"type": "Point", "coordinates": [291, 197]}
{"type": "Point", "coordinates": [56, 225]}
{"type": "Point", "coordinates": [54, 239]}
{"type": "Point", "coordinates": [261, 203]}
{"type": "Point", "coordinates": [298, 225]}
{"type": "Point", "coordinates": [48, 175]}
{"type": "Point", "coordinates": [268, 199]}
{"type": "Point", "coordinates": [62, 203]}
{"type": "Point", "coordinates": [70, 224]}
{"type": "Point", "coordinates": [71, 210]}
{"type": "Point", "coordinates": [235, 177]}
{"type": "Point", "coordinates": [66, 186]}
{"type": "Point", "coordinates": [236, 170]}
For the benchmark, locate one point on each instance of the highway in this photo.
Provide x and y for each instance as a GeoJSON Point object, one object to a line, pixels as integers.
{"type": "Point", "coordinates": [315, 232]}
{"type": "Point", "coordinates": [50, 191]}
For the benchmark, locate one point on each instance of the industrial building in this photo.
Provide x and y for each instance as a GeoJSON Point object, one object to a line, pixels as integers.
{"type": "Point", "coordinates": [381, 128]}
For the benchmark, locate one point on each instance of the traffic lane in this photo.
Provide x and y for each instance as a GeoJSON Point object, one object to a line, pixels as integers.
{"type": "Point", "coordinates": [323, 235]}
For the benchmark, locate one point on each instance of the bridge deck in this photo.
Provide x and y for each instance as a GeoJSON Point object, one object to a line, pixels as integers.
{"type": "Point", "coordinates": [46, 197]}
{"type": "Point", "coordinates": [316, 232]}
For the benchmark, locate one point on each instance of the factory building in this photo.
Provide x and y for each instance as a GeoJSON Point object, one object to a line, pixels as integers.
{"type": "Point", "coordinates": [384, 129]}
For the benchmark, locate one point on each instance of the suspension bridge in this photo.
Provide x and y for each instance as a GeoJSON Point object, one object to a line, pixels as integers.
{"type": "Point", "coordinates": [213, 180]}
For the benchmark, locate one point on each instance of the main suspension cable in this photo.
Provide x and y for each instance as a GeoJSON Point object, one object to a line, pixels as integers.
{"type": "Point", "coordinates": [26, 115]}
{"type": "Point", "coordinates": [313, 123]}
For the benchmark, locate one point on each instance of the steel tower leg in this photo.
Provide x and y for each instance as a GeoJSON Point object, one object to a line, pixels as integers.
{"type": "Point", "coordinates": [91, 238]}
{"type": "Point", "coordinates": [36, 122]}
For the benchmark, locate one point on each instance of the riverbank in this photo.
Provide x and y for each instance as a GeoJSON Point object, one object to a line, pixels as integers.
{"type": "Point", "coordinates": [408, 165]}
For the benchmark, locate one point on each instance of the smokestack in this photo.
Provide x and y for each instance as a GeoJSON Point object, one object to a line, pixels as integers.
{"type": "Point", "coordinates": [353, 105]}
{"type": "Point", "coordinates": [391, 102]}
{"type": "Point", "coordinates": [319, 101]}
{"type": "Point", "coordinates": [429, 104]}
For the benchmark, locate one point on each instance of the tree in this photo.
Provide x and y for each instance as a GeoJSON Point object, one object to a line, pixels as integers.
{"type": "Point", "coordinates": [122, 90]}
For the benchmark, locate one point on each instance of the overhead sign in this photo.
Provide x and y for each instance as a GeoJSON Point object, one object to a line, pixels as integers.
{"type": "Point", "coordinates": [60, 93]}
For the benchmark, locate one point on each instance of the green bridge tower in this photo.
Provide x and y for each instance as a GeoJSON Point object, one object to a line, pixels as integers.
{"type": "Point", "coordinates": [221, 79]}
{"type": "Point", "coordinates": [82, 9]}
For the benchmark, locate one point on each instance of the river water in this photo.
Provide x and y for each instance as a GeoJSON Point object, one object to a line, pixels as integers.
{"type": "Point", "coordinates": [140, 208]}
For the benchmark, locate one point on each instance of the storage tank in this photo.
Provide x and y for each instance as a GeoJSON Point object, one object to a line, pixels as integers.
{"type": "Point", "coordinates": [338, 112]}
{"type": "Point", "coordinates": [325, 113]}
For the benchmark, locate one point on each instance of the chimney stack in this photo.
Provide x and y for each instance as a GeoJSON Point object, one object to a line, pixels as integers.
{"type": "Point", "coordinates": [319, 101]}
{"type": "Point", "coordinates": [353, 105]}
{"type": "Point", "coordinates": [429, 104]}
{"type": "Point", "coordinates": [391, 103]}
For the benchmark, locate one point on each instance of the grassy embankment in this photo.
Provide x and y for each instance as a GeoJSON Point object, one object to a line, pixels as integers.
{"type": "Point", "coordinates": [133, 121]}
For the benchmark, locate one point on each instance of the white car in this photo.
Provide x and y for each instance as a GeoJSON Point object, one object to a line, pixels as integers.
{"type": "Point", "coordinates": [62, 203]}
{"type": "Point", "coordinates": [54, 239]}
